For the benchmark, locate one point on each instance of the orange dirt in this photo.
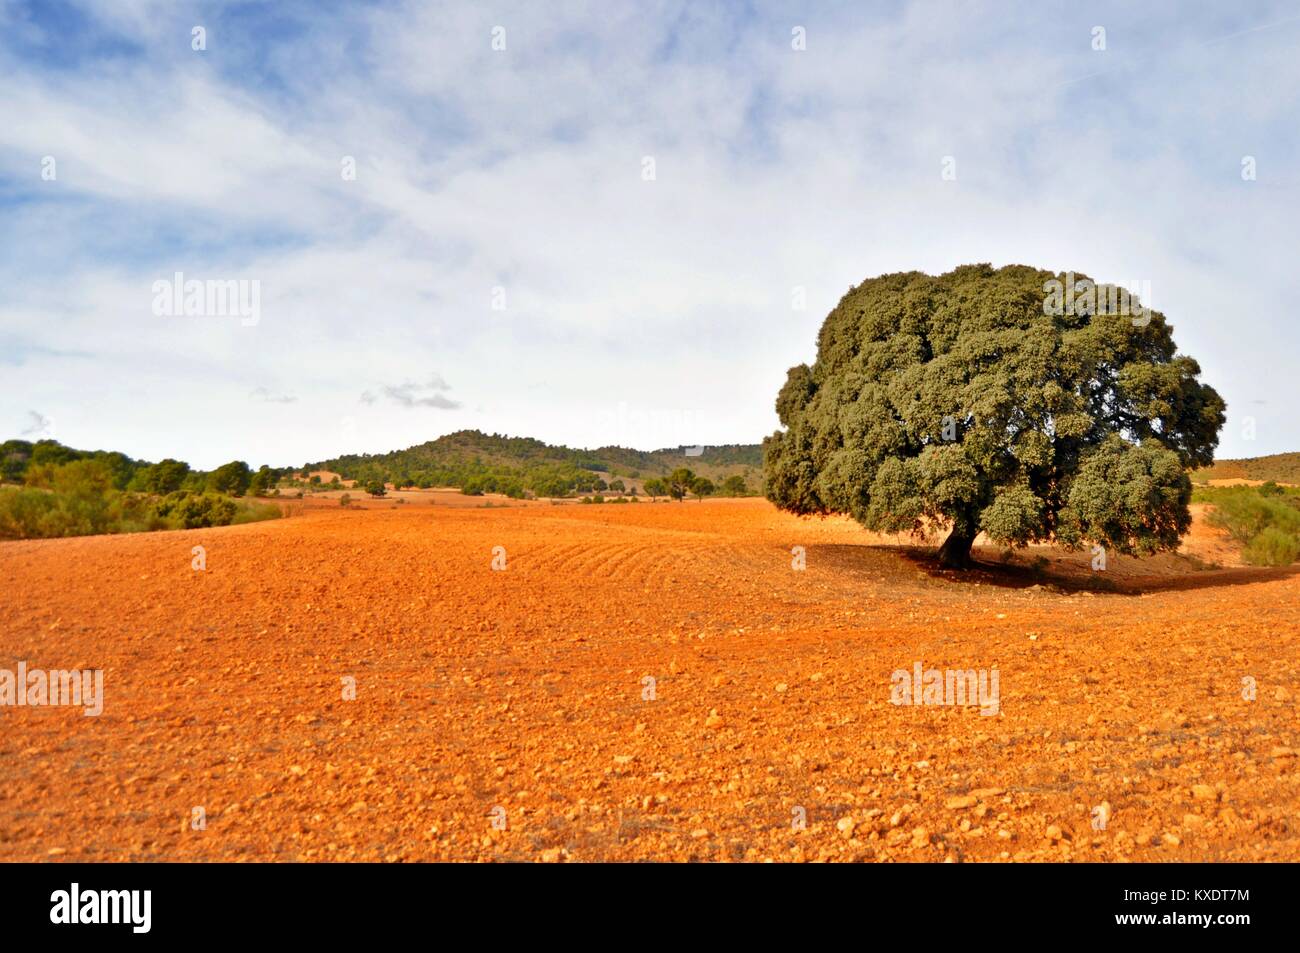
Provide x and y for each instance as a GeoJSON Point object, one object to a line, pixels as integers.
{"type": "Point", "coordinates": [521, 690]}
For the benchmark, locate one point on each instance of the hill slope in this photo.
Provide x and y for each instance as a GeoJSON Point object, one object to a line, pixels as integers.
{"type": "Point", "coordinates": [1278, 467]}
{"type": "Point", "coordinates": [460, 458]}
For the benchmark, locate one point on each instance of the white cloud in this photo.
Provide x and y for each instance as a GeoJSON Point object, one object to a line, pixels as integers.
{"type": "Point", "coordinates": [514, 178]}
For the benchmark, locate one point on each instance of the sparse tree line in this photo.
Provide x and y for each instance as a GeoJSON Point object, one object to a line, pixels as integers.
{"type": "Point", "coordinates": [682, 482]}
{"type": "Point", "coordinates": [56, 490]}
{"type": "Point", "coordinates": [535, 480]}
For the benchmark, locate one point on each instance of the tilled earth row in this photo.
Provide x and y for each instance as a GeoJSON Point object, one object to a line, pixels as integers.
{"type": "Point", "coordinates": [638, 682]}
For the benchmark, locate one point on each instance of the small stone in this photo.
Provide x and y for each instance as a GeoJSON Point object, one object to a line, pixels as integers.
{"type": "Point", "coordinates": [1203, 792]}
{"type": "Point", "coordinates": [1173, 840]}
{"type": "Point", "coordinates": [782, 688]}
{"type": "Point", "coordinates": [700, 833]}
{"type": "Point", "coordinates": [1053, 832]}
{"type": "Point", "coordinates": [714, 720]}
{"type": "Point", "coordinates": [961, 802]}
{"type": "Point", "coordinates": [845, 826]}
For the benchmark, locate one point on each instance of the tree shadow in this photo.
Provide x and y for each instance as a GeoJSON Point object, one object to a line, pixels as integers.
{"type": "Point", "coordinates": [1059, 574]}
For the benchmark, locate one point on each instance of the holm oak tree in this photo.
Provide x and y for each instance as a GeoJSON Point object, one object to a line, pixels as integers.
{"type": "Point", "coordinates": [1016, 402]}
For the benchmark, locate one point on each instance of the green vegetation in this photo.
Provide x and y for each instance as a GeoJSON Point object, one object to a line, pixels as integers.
{"type": "Point", "coordinates": [69, 492]}
{"type": "Point", "coordinates": [1265, 520]}
{"type": "Point", "coordinates": [79, 498]}
{"type": "Point", "coordinates": [970, 399]}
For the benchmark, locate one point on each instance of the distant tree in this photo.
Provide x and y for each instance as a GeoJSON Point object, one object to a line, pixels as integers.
{"type": "Point", "coordinates": [165, 476]}
{"type": "Point", "coordinates": [232, 478]}
{"type": "Point", "coordinates": [345, 499]}
{"type": "Point", "coordinates": [14, 455]}
{"type": "Point", "coordinates": [702, 487]}
{"type": "Point", "coordinates": [734, 485]}
{"type": "Point", "coordinates": [314, 479]}
{"type": "Point", "coordinates": [262, 481]}
{"type": "Point", "coordinates": [618, 486]}
{"type": "Point", "coordinates": [376, 488]}
{"type": "Point", "coordinates": [678, 483]}
{"type": "Point", "coordinates": [1004, 401]}
{"type": "Point", "coordinates": [52, 452]}
{"type": "Point", "coordinates": [654, 487]}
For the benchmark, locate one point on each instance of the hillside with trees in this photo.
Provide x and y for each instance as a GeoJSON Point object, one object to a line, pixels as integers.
{"type": "Point", "coordinates": [478, 462]}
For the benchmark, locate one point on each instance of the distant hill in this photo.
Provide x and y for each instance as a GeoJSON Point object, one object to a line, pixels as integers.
{"type": "Point", "coordinates": [504, 463]}
{"type": "Point", "coordinates": [1278, 467]}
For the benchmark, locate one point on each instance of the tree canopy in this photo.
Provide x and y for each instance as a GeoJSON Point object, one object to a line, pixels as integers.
{"type": "Point", "coordinates": [976, 400]}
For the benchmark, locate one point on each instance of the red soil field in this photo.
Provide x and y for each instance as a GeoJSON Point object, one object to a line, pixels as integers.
{"type": "Point", "coordinates": [503, 714]}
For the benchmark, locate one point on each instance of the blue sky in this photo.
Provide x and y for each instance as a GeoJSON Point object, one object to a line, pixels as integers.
{"type": "Point", "coordinates": [644, 313]}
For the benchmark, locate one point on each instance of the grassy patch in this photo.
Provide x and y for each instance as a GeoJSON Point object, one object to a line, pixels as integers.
{"type": "Point", "coordinates": [1265, 520]}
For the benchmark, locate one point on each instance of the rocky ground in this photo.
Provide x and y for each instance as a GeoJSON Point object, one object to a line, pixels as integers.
{"type": "Point", "coordinates": [640, 682]}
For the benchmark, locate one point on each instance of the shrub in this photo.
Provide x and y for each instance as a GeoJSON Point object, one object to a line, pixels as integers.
{"type": "Point", "coordinates": [1272, 547]}
{"type": "Point", "coordinates": [233, 478]}
{"type": "Point", "coordinates": [187, 510]}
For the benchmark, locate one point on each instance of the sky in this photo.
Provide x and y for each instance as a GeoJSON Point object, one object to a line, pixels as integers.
{"type": "Point", "coordinates": [602, 223]}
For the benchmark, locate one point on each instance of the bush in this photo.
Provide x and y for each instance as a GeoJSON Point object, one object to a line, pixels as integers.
{"type": "Point", "coordinates": [1245, 513]}
{"type": "Point", "coordinates": [345, 499]}
{"type": "Point", "coordinates": [1272, 547]}
{"type": "Point", "coordinates": [187, 510]}
{"type": "Point", "coordinates": [233, 478]}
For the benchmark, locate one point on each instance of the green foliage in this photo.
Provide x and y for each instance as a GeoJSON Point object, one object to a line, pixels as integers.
{"type": "Point", "coordinates": [79, 498]}
{"type": "Point", "coordinates": [14, 455]}
{"type": "Point", "coordinates": [958, 399]}
{"type": "Point", "coordinates": [165, 476]}
{"type": "Point", "coordinates": [1261, 519]}
{"type": "Point", "coordinates": [678, 483]}
{"type": "Point", "coordinates": [233, 478]}
{"type": "Point", "coordinates": [263, 480]}
{"type": "Point", "coordinates": [186, 510]}
{"type": "Point", "coordinates": [702, 487]}
{"type": "Point", "coordinates": [376, 488]}
{"type": "Point", "coordinates": [734, 485]}
{"type": "Point", "coordinates": [654, 487]}
{"type": "Point", "coordinates": [345, 500]}
{"type": "Point", "coordinates": [1272, 547]}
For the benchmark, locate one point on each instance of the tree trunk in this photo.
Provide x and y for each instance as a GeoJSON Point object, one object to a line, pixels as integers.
{"type": "Point", "coordinates": [955, 551]}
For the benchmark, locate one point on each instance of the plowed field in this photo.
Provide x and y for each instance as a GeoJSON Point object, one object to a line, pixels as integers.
{"type": "Point", "coordinates": [639, 682]}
